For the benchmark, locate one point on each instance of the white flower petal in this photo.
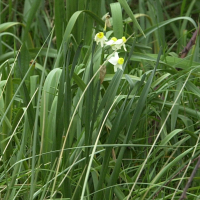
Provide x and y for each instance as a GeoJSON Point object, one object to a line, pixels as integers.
{"type": "Point", "coordinates": [114, 47]}
{"type": "Point", "coordinates": [105, 38]}
{"type": "Point", "coordinates": [124, 47]}
{"type": "Point", "coordinates": [118, 46]}
{"type": "Point", "coordinates": [101, 40]}
{"type": "Point", "coordinates": [116, 55]}
{"type": "Point", "coordinates": [120, 41]}
{"type": "Point", "coordinates": [110, 42]}
{"type": "Point", "coordinates": [113, 60]}
{"type": "Point", "coordinates": [119, 66]}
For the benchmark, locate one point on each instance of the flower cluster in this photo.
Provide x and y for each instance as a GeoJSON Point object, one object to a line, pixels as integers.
{"type": "Point", "coordinates": [115, 44]}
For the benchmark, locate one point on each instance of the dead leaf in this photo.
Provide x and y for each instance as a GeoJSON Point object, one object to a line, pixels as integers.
{"type": "Point", "coordinates": [102, 73]}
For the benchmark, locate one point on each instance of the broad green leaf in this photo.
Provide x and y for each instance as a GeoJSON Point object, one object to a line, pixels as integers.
{"type": "Point", "coordinates": [7, 25]}
{"type": "Point", "coordinates": [117, 20]}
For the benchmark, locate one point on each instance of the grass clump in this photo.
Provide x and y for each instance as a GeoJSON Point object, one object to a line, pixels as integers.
{"type": "Point", "coordinates": [99, 100]}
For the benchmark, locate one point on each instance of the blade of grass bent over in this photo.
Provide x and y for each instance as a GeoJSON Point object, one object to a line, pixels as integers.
{"type": "Point", "coordinates": [155, 27]}
{"type": "Point", "coordinates": [131, 15]}
{"type": "Point", "coordinates": [7, 25]}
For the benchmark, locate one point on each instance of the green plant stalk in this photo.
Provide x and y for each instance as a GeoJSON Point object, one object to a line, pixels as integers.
{"type": "Point", "coordinates": [155, 22]}
{"type": "Point", "coordinates": [59, 21]}
{"type": "Point", "coordinates": [31, 15]}
{"type": "Point", "coordinates": [117, 19]}
{"type": "Point", "coordinates": [10, 10]}
{"type": "Point", "coordinates": [111, 140]}
{"type": "Point", "coordinates": [175, 110]}
{"type": "Point", "coordinates": [88, 116]}
{"type": "Point", "coordinates": [66, 120]}
{"type": "Point", "coordinates": [1, 21]}
{"type": "Point", "coordinates": [88, 110]}
{"type": "Point", "coordinates": [16, 172]}
{"type": "Point", "coordinates": [184, 24]}
{"type": "Point", "coordinates": [35, 135]}
{"type": "Point", "coordinates": [6, 129]}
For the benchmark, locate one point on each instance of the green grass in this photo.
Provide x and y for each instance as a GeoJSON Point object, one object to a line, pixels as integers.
{"type": "Point", "coordinates": [66, 133]}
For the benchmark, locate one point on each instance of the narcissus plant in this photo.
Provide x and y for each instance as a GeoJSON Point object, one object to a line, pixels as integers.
{"type": "Point", "coordinates": [117, 44]}
{"type": "Point", "coordinates": [99, 37]}
{"type": "Point", "coordinates": [116, 61]}
{"type": "Point", "coordinates": [111, 41]}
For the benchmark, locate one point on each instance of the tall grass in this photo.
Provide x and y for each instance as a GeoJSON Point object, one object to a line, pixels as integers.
{"type": "Point", "coordinates": [67, 132]}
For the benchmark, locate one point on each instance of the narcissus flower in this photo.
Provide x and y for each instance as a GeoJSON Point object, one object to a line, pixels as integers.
{"type": "Point", "coordinates": [116, 61]}
{"type": "Point", "coordinates": [112, 41]}
{"type": "Point", "coordinates": [119, 43]}
{"type": "Point", "coordinates": [99, 37]}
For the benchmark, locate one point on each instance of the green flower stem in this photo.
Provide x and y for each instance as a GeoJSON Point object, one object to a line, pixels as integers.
{"type": "Point", "coordinates": [6, 129]}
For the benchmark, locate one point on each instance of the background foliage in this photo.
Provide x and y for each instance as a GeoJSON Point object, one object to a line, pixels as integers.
{"type": "Point", "coordinates": [64, 135]}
